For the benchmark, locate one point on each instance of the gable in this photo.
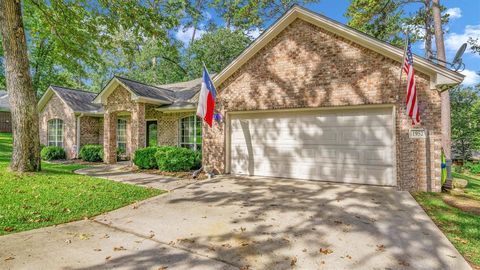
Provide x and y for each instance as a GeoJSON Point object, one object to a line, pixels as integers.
{"type": "Point", "coordinates": [50, 97]}
{"type": "Point", "coordinates": [305, 66]}
{"type": "Point", "coordinates": [439, 76]}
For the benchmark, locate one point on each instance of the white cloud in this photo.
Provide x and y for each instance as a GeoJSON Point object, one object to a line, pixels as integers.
{"type": "Point", "coordinates": [471, 77]}
{"type": "Point", "coordinates": [253, 33]}
{"type": "Point", "coordinates": [185, 34]}
{"type": "Point", "coordinates": [454, 13]}
{"type": "Point", "coordinates": [453, 41]}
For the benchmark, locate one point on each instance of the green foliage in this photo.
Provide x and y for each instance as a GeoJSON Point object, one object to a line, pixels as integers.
{"type": "Point", "coordinates": [473, 168]}
{"type": "Point", "coordinates": [465, 111]}
{"type": "Point", "coordinates": [52, 153]}
{"type": "Point", "coordinates": [388, 19]}
{"type": "Point", "coordinates": [56, 195]}
{"type": "Point", "coordinates": [144, 158]}
{"type": "Point", "coordinates": [91, 152]}
{"type": "Point", "coordinates": [216, 50]}
{"type": "Point", "coordinates": [176, 159]}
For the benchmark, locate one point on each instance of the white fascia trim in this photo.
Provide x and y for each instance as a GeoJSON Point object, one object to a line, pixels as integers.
{"type": "Point", "coordinates": [45, 98]}
{"type": "Point", "coordinates": [438, 75]}
{"type": "Point", "coordinates": [149, 100]}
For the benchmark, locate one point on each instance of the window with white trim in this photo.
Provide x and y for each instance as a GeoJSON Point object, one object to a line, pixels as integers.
{"type": "Point", "coordinates": [122, 135]}
{"type": "Point", "coordinates": [55, 132]}
{"type": "Point", "coordinates": [191, 133]}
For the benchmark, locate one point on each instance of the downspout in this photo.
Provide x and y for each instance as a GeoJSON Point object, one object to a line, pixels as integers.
{"type": "Point", "coordinates": [77, 143]}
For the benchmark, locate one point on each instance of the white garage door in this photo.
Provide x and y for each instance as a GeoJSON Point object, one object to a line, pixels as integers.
{"type": "Point", "coordinates": [351, 146]}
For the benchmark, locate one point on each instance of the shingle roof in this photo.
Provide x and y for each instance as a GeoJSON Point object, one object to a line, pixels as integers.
{"type": "Point", "coordinates": [186, 93]}
{"type": "Point", "coordinates": [148, 91]}
{"type": "Point", "coordinates": [78, 100]}
{"type": "Point", "coordinates": [4, 105]}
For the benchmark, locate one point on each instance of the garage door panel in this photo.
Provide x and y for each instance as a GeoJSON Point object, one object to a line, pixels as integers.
{"type": "Point", "coordinates": [354, 146]}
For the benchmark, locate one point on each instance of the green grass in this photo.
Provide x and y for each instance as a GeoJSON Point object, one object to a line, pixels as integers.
{"type": "Point", "coordinates": [56, 195]}
{"type": "Point", "coordinates": [460, 227]}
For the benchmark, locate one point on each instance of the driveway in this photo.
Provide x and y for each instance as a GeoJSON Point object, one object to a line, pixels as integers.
{"type": "Point", "coordinates": [252, 223]}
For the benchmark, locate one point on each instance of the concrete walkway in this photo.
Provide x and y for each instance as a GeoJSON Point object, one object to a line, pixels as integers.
{"type": "Point", "coordinates": [121, 172]}
{"type": "Point", "coordinates": [246, 223]}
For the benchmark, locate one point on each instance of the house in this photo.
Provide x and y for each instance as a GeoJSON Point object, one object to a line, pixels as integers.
{"type": "Point", "coordinates": [310, 98]}
{"type": "Point", "coordinates": [5, 115]}
{"type": "Point", "coordinates": [121, 117]}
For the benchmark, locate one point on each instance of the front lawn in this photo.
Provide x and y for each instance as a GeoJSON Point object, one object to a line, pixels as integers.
{"type": "Point", "coordinates": [462, 228]}
{"type": "Point", "coordinates": [56, 195]}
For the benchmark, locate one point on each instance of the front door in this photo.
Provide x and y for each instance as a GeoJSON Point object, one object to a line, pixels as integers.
{"type": "Point", "coordinates": [151, 133]}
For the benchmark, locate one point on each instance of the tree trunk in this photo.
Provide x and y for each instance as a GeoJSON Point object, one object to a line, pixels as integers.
{"type": "Point", "coordinates": [445, 95]}
{"type": "Point", "coordinates": [23, 102]}
{"type": "Point", "coordinates": [428, 27]}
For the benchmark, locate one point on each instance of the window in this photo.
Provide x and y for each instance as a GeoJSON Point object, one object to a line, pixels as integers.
{"type": "Point", "coordinates": [191, 132]}
{"type": "Point", "coordinates": [122, 135]}
{"type": "Point", "coordinates": [55, 132]}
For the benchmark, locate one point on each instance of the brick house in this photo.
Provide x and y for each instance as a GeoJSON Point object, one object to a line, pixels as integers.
{"type": "Point", "coordinates": [5, 115]}
{"type": "Point", "coordinates": [310, 99]}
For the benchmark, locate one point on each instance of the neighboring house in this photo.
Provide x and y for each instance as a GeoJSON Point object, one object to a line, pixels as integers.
{"type": "Point", "coordinates": [5, 115]}
{"type": "Point", "coordinates": [310, 99]}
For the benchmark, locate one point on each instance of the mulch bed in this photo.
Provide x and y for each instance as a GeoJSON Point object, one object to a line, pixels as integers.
{"type": "Point", "coordinates": [183, 175]}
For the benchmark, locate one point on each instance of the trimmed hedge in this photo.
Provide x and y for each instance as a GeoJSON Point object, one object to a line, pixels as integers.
{"type": "Point", "coordinates": [52, 153]}
{"type": "Point", "coordinates": [176, 159]}
{"type": "Point", "coordinates": [91, 152]}
{"type": "Point", "coordinates": [144, 158]}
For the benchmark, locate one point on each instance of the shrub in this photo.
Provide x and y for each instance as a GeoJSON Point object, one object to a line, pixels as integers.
{"type": "Point", "coordinates": [473, 168]}
{"type": "Point", "coordinates": [52, 153]}
{"type": "Point", "coordinates": [176, 159]}
{"type": "Point", "coordinates": [144, 158]}
{"type": "Point", "coordinates": [91, 152]}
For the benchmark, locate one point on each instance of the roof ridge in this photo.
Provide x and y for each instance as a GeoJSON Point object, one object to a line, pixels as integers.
{"type": "Point", "coordinates": [154, 86]}
{"type": "Point", "coordinates": [73, 89]}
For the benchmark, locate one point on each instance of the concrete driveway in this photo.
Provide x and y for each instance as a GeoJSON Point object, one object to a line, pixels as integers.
{"type": "Point", "coordinates": [250, 223]}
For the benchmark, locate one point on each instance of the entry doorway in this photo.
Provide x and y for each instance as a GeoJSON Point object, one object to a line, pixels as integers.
{"type": "Point", "coordinates": [152, 139]}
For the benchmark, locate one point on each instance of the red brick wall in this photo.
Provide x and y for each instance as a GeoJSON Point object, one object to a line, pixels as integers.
{"type": "Point", "coordinates": [308, 67]}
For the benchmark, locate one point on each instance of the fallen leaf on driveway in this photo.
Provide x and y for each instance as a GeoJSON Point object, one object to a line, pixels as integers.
{"type": "Point", "coordinates": [105, 236]}
{"type": "Point", "coordinates": [97, 249]}
{"type": "Point", "coordinates": [294, 261]}
{"type": "Point", "coordinates": [84, 236]}
{"type": "Point", "coordinates": [9, 258]}
{"type": "Point", "coordinates": [326, 251]}
{"type": "Point", "coordinates": [68, 241]}
{"type": "Point", "coordinates": [108, 257]}
{"type": "Point", "coordinates": [380, 248]}
{"type": "Point", "coordinates": [120, 248]}
{"type": "Point", "coordinates": [163, 268]}
{"type": "Point", "coordinates": [404, 263]}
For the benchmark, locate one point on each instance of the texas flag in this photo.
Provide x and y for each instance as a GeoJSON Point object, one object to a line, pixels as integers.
{"type": "Point", "coordinates": [206, 100]}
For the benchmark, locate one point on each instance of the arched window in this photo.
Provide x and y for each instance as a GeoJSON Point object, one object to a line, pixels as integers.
{"type": "Point", "coordinates": [55, 132]}
{"type": "Point", "coordinates": [191, 132]}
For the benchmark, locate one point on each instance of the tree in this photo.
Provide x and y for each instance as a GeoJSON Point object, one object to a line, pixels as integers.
{"type": "Point", "coordinates": [388, 19]}
{"type": "Point", "coordinates": [26, 143]}
{"type": "Point", "coordinates": [216, 49]}
{"type": "Point", "coordinates": [76, 30]}
{"type": "Point", "coordinates": [465, 104]}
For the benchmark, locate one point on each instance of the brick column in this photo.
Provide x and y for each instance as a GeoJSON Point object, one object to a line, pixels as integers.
{"type": "Point", "coordinates": [138, 127]}
{"type": "Point", "coordinates": [110, 138]}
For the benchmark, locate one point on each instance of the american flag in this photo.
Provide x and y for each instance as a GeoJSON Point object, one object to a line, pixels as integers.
{"type": "Point", "coordinates": [412, 102]}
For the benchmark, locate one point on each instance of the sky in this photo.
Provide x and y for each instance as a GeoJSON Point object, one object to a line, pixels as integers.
{"type": "Point", "coordinates": [464, 22]}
